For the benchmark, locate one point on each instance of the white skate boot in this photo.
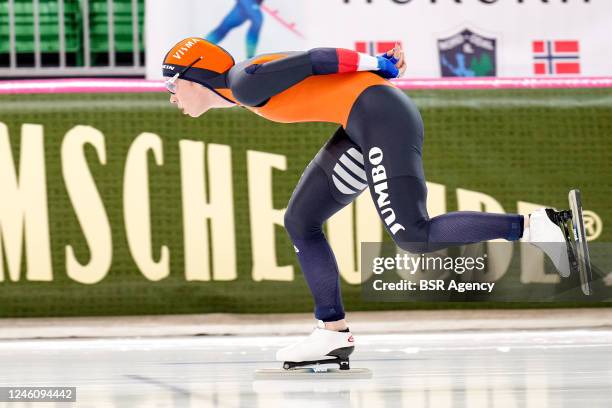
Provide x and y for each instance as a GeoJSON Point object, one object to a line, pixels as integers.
{"type": "Point", "coordinates": [305, 358]}
{"type": "Point", "coordinates": [545, 233]}
{"type": "Point", "coordinates": [549, 228]}
{"type": "Point", "coordinates": [321, 347]}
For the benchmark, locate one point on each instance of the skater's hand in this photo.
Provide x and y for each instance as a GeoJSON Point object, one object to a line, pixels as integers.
{"type": "Point", "coordinates": [396, 56]}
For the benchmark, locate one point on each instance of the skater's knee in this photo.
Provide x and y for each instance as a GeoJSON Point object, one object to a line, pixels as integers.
{"type": "Point", "coordinates": [298, 226]}
{"type": "Point", "coordinates": [413, 238]}
{"type": "Point", "coordinates": [293, 224]}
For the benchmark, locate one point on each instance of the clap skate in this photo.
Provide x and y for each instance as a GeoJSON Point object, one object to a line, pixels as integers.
{"type": "Point", "coordinates": [314, 354]}
{"type": "Point", "coordinates": [549, 229]}
{"type": "Point", "coordinates": [579, 242]}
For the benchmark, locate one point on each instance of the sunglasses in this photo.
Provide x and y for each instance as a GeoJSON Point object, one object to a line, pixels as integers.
{"type": "Point", "coordinates": [171, 83]}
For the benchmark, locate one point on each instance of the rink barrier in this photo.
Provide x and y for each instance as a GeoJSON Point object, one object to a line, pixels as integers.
{"type": "Point", "coordinates": [93, 85]}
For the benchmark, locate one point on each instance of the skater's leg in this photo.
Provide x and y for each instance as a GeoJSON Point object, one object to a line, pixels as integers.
{"type": "Point", "coordinates": [392, 147]}
{"type": "Point", "coordinates": [251, 9]}
{"type": "Point", "coordinates": [310, 205]}
{"type": "Point", "coordinates": [333, 179]}
{"type": "Point", "coordinates": [414, 231]}
{"type": "Point", "coordinates": [326, 186]}
{"type": "Point", "coordinates": [233, 19]}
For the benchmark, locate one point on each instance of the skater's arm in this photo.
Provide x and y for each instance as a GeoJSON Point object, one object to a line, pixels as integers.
{"type": "Point", "coordinates": [255, 82]}
{"type": "Point", "coordinates": [338, 60]}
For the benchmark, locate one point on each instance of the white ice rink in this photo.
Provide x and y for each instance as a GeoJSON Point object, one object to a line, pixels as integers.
{"type": "Point", "coordinates": [511, 369]}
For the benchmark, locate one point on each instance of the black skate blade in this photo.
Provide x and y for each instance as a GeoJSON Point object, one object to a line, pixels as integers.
{"type": "Point", "coordinates": [581, 246]}
{"type": "Point", "coordinates": [310, 373]}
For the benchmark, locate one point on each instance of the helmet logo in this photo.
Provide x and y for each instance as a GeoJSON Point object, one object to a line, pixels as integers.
{"type": "Point", "coordinates": [185, 48]}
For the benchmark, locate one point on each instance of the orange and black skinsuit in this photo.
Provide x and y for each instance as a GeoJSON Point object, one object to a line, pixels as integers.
{"type": "Point", "coordinates": [377, 146]}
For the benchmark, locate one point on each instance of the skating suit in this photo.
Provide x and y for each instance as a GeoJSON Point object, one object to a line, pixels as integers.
{"type": "Point", "coordinates": [378, 146]}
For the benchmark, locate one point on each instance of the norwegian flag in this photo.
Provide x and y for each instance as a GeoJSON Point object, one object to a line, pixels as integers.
{"type": "Point", "coordinates": [556, 57]}
{"type": "Point", "coordinates": [374, 47]}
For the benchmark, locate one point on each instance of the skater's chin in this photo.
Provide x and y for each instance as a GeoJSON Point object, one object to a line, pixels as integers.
{"type": "Point", "coordinates": [193, 115]}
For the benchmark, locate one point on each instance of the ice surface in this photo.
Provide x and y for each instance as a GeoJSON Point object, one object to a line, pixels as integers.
{"type": "Point", "coordinates": [530, 369]}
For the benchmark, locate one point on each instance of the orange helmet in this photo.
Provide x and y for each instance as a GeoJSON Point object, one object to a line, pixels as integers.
{"type": "Point", "coordinates": [208, 63]}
